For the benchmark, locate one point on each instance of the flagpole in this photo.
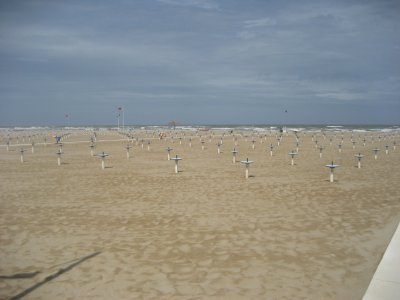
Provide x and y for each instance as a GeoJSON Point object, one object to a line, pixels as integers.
{"type": "Point", "coordinates": [119, 115]}
{"type": "Point", "coordinates": [67, 117]}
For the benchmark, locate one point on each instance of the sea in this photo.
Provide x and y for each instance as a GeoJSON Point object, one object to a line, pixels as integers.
{"type": "Point", "coordinates": [222, 127]}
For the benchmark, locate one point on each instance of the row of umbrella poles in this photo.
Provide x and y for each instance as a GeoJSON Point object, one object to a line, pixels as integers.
{"type": "Point", "coordinates": [176, 159]}
{"type": "Point", "coordinates": [247, 163]}
{"type": "Point", "coordinates": [271, 149]}
{"type": "Point", "coordinates": [279, 137]}
{"type": "Point", "coordinates": [234, 152]}
{"type": "Point", "coordinates": [314, 139]}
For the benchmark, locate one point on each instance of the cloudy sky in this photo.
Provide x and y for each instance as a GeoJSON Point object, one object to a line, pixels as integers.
{"type": "Point", "coordinates": [199, 61]}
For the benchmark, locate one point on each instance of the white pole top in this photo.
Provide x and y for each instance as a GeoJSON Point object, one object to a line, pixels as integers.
{"type": "Point", "coordinates": [332, 166]}
{"type": "Point", "coordinates": [247, 161]}
{"type": "Point", "coordinates": [103, 154]}
{"type": "Point", "coordinates": [176, 158]}
{"type": "Point", "coordinates": [234, 150]}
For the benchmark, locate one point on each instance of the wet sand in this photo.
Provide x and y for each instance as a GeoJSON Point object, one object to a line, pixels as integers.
{"type": "Point", "coordinates": [205, 233]}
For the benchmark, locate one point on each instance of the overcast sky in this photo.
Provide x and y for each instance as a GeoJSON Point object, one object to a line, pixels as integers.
{"type": "Point", "coordinates": [199, 61]}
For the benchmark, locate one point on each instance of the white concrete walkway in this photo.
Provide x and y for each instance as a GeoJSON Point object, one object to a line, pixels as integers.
{"type": "Point", "coordinates": [385, 285]}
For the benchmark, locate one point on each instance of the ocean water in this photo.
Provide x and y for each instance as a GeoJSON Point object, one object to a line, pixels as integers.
{"type": "Point", "coordinates": [224, 127]}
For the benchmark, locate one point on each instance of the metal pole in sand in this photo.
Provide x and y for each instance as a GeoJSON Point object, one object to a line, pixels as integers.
{"type": "Point", "coordinates": [332, 167]}
{"type": "Point", "coordinates": [59, 153]}
{"type": "Point", "coordinates": [292, 154]}
{"type": "Point", "coordinates": [92, 146]}
{"type": "Point", "coordinates": [254, 144]}
{"type": "Point", "coordinates": [376, 150]}
{"type": "Point", "coordinates": [148, 146]}
{"type": "Point", "coordinates": [340, 148]}
{"type": "Point", "coordinates": [234, 152]}
{"type": "Point", "coordinates": [219, 148]}
{"type": "Point", "coordinates": [176, 159]}
{"type": "Point", "coordinates": [103, 155]}
{"type": "Point", "coordinates": [22, 154]}
{"type": "Point", "coordinates": [394, 145]}
{"type": "Point", "coordinates": [169, 150]}
{"type": "Point", "coordinates": [359, 156]}
{"type": "Point", "coordinates": [387, 149]}
{"type": "Point", "coordinates": [190, 142]}
{"type": "Point", "coordinates": [202, 145]}
{"type": "Point", "coordinates": [128, 147]}
{"type": "Point", "coordinates": [247, 163]}
{"type": "Point", "coordinates": [8, 146]}
{"type": "Point", "coordinates": [271, 150]}
{"type": "Point", "coordinates": [320, 151]}
{"type": "Point", "coordinates": [33, 147]}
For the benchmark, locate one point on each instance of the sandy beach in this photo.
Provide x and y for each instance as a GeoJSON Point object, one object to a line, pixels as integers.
{"type": "Point", "coordinates": [206, 232]}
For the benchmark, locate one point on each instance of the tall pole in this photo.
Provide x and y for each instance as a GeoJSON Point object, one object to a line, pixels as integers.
{"type": "Point", "coordinates": [67, 117]}
{"type": "Point", "coordinates": [119, 115]}
{"type": "Point", "coordinates": [123, 120]}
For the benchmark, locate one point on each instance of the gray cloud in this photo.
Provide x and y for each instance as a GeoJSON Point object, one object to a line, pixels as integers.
{"type": "Point", "coordinates": [204, 4]}
{"type": "Point", "coordinates": [168, 57]}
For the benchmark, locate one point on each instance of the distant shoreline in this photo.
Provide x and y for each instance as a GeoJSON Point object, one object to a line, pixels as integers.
{"type": "Point", "coordinates": [226, 127]}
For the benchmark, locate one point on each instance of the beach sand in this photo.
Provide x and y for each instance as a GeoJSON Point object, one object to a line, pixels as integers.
{"type": "Point", "coordinates": [205, 233]}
